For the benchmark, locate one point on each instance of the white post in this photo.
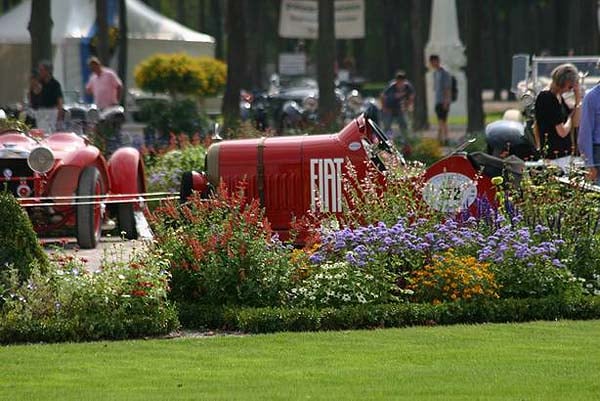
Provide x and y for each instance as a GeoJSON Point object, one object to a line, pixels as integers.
{"type": "Point", "coordinates": [445, 42]}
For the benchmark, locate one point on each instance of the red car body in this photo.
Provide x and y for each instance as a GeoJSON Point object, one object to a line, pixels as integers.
{"type": "Point", "coordinates": [75, 190]}
{"type": "Point", "coordinates": [293, 174]}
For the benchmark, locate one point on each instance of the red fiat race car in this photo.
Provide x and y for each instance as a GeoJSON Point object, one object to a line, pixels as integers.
{"type": "Point", "coordinates": [65, 183]}
{"type": "Point", "coordinates": [293, 174]}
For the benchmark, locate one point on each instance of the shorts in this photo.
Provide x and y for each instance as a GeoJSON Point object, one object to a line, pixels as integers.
{"type": "Point", "coordinates": [441, 112]}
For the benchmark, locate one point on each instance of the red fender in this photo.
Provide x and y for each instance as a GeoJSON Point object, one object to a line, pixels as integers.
{"type": "Point", "coordinates": [65, 176]}
{"type": "Point", "coordinates": [124, 168]}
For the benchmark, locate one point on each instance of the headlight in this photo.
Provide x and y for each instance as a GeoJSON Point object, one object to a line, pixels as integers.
{"type": "Point", "coordinates": [41, 159]}
{"type": "Point", "coordinates": [310, 104]}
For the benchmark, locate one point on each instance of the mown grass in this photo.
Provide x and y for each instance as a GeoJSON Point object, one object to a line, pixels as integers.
{"type": "Point", "coordinates": [535, 361]}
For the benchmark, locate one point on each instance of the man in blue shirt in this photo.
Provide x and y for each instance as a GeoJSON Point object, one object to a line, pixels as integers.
{"type": "Point", "coordinates": [589, 133]}
{"type": "Point", "coordinates": [396, 99]}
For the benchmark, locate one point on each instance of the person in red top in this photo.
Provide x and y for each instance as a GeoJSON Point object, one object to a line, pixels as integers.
{"type": "Point", "coordinates": [104, 84]}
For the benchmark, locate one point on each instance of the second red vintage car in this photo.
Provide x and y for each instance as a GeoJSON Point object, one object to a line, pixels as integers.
{"type": "Point", "coordinates": [66, 184]}
{"type": "Point", "coordinates": [293, 174]}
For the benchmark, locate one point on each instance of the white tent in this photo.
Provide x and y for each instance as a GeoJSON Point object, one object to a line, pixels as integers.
{"type": "Point", "coordinates": [148, 33]}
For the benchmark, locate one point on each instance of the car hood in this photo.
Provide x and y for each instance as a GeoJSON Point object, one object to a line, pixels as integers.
{"type": "Point", "coordinates": [15, 145]}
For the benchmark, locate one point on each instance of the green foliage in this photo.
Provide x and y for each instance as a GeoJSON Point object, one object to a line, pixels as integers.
{"type": "Point", "coordinates": [13, 124]}
{"type": "Point", "coordinates": [222, 251]}
{"type": "Point", "coordinates": [367, 316]}
{"type": "Point", "coordinates": [181, 74]}
{"type": "Point", "coordinates": [425, 150]}
{"type": "Point", "coordinates": [124, 300]}
{"type": "Point", "coordinates": [19, 245]}
{"type": "Point", "coordinates": [176, 116]}
{"type": "Point", "coordinates": [164, 173]}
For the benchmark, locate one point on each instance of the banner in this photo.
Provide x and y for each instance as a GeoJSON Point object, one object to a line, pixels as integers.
{"type": "Point", "coordinates": [299, 19]}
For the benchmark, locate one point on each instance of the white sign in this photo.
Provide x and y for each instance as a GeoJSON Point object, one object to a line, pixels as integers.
{"type": "Point", "coordinates": [326, 185]}
{"type": "Point", "coordinates": [292, 64]}
{"type": "Point", "coordinates": [450, 192]}
{"type": "Point", "coordinates": [299, 19]}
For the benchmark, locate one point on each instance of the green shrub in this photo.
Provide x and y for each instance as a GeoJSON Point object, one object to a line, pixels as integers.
{"type": "Point", "coordinates": [222, 251]}
{"type": "Point", "coordinates": [124, 300]}
{"type": "Point", "coordinates": [19, 245]}
{"type": "Point", "coordinates": [268, 320]}
{"type": "Point", "coordinates": [176, 116]}
{"type": "Point", "coordinates": [165, 172]}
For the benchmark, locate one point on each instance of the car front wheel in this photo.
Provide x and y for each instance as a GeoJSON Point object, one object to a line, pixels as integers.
{"type": "Point", "coordinates": [89, 214]}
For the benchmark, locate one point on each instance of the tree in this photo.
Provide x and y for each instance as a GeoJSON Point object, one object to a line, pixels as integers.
{"type": "Point", "coordinates": [418, 14]}
{"type": "Point", "coordinates": [474, 14]}
{"type": "Point", "coordinates": [40, 30]}
{"type": "Point", "coordinates": [235, 27]}
{"type": "Point", "coordinates": [102, 44]}
{"type": "Point", "coordinates": [326, 61]}
{"type": "Point", "coordinates": [123, 47]}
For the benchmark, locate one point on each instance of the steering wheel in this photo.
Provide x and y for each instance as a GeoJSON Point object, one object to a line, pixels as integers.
{"type": "Point", "coordinates": [384, 143]}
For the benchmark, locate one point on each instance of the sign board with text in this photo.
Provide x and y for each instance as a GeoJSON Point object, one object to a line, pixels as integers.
{"type": "Point", "coordinates": [299, 19]}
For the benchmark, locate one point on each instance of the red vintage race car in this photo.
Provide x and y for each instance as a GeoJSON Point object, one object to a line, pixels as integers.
{"type": "Point", "coordinates": [66, 184]}
{"type": "Point", "coordinates": [293, 174]}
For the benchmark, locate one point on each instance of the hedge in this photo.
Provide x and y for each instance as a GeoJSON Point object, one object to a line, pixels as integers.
{"type": "Point", "coordinates": [269, 320]}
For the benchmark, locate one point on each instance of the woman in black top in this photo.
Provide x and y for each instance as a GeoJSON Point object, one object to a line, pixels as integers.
{"type": "Point", "coordinates": [553, 117]}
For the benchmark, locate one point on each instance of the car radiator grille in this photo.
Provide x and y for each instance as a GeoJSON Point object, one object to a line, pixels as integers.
{"type": "Point", "coordinates": [16, 168]}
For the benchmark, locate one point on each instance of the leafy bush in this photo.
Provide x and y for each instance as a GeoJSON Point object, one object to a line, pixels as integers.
{"type": "Point", "coordinates": [425, 150]}
{"type": "Point", "coordinates": [268, 320]}
{"type": "Point", "coordinates": [179, 116]}
{"type": "Point", "coordinates": [181, 74]}
{"type": "Point", "coordinates": [13, 124]}
{"type": "Point", "coordinates": [70, 304]}
{"type": "Point", "coordinates": [19, 245]}
{"type": "Point", "coordinates": [451, 278]}
{"type": "Point", "coordinates": [222, 251]}
{"type": "Point", "coordinates": [164, 173]}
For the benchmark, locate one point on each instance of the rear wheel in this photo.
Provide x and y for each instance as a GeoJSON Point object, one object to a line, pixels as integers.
{"type": "Point", "coordinates": [89, 216]}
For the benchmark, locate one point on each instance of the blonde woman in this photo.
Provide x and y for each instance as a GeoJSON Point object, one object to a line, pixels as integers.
{"type": "Point", "coordinates": [553, 116]}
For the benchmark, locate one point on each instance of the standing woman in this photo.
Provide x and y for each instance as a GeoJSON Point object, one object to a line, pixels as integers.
{"type": "Point", "coordinates": [553, 117]}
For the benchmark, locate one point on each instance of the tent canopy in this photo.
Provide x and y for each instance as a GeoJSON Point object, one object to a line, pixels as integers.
{"type": "Point", "coordinates": [73, 24]}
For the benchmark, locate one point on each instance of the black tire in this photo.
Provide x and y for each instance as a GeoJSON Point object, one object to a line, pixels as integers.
{"type": "Point", "coordinates": [126, 216]}
{"type": "Point", "coordinates": [89, 217]}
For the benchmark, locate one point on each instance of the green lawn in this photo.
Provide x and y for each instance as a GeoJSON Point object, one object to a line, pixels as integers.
{"type": "Point", "coordinates": [535, 361]}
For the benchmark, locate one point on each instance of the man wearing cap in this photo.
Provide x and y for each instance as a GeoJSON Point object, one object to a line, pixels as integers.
{"type": "Point", "coordinates": [396, 99]}
{"type": "Point", "coordinates": [104, 84]}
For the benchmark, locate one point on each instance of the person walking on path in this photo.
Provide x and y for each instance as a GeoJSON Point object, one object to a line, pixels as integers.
{"type": "Point", "coordinates": [442, 86]}
{"type": "Point", "coordinates": [396, 100]}
{"type": "Point", "coordinates": [104, 84]}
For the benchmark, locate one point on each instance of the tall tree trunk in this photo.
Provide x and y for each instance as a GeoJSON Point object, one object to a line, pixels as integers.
{"type": "Point", "coordinates": [40, 30]}
{"type": "Point", "coordinates": [201, 16]}
{"type": "Point", "coordinates": [216, 16]}
{"type": "Point", "coordinates": [326, 61]}
{"type": "Point", "coordinates": [235, 28]}
{"type": "Point", "coordinates": [123, 47]}
{"type": "Point", "coordinates": [181, 12]}
{"type": "Point", "coordinates": [417, 16]}
{"type": "Point", "coordinates": [103, 44]}
{"type": "Point", "coordinates": [474, 13]}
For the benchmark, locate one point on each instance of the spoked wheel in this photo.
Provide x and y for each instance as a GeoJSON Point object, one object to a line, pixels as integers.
{"type": "Point", "coordinates": [89, 216]}
{"type": "Point", "coordinates": [125, 214]}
